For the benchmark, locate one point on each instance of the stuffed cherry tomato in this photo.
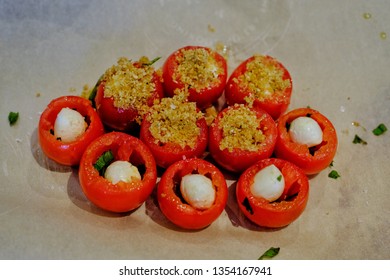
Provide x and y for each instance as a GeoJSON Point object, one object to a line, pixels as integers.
{"type": "Point", "coordinates": [240, 136]}
{"type": "Point", "coordinates": [200, 70]}
{"type": "Point", "coordinates": [173, 130]}
{"type": "Point", "coordinates": [192, 193]}
{"type": "Point", "coordinates": [125, 92]}
{"type": "Point", "coordinates": [66, 127]}
{"type": "Point", "coordinates": [307, 139]}
{"type": "Point", "coordinates": [272, 193]}
{"type": "Point", "coordinates": [117, 172]}
{"type": "Point", "coordinates": [263, 82]}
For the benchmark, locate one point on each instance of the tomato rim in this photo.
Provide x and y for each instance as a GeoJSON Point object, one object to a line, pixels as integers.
{"type": "Point", "coordinates": [310, 160]}
{"type": "Point", "coordinates": [67, 153]}
{"type": "Point", "coordinates": [281, 212]}
{"type": "Point", "coordinates": [120, 197]}
{"type": "Point", "coordinates": [178, 211]}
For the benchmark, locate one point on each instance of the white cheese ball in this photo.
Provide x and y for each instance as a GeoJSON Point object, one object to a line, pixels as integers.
{"type": "Point", "coordinates": [305, 131]}
{"type": "Point", "coordinates": [268, 183]}
{"type": "Point", "coordinates": [69, 125]}
{"type": "Point", "coordinates": [198, 191]}
{"type": "Point", "coordinates": [121, 170]}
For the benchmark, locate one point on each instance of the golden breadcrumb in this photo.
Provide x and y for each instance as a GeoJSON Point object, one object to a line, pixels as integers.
{"type": "Point", "coordinates": [197, 68]}
{"type": "Point", "coordinates": [174, 120]}
{"type": "Point", "coordinates": [240, 129]}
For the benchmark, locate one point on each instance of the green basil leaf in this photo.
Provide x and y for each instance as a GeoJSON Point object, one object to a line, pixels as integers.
{"type": "Point", "coordinates": [358, 140]}
{"type": "Point", "coordinates": [13, 117]}
{"type": "Point", "coordinates": [270, 253]}
{"type": "Point", "coordinates": [103, 162]}
{"type": "Point", "coordinates": [334, 174]}
{"type": "Point", "coordinates": [380, 129]}
{"type": "Point", "coordinates": [150, 63]}
{"type": "Point", "coordinates": [92, 95]}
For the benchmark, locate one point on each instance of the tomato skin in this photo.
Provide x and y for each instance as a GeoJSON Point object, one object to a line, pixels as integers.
{"type": "Point", "coordinates": [300, 154]}
{"type": "Point", "coordinates": [67, 153]}
{"type": "Point", "coordinates": [204, 97]}
{"type": "Point", "coordinates": [274, 106]}
{"type": "Point", "coordinates": [238, 160]}
{"type": "Point", "coordinates": [120, 197]}
{"type": "Point", "coordinates": [119, 118]}
{"type": "Point", "coordinates": [183, 214]}
{"type": "Point", "coordinates": [279, 213]}
{"type": "Point", "coordinates": [168, 153]}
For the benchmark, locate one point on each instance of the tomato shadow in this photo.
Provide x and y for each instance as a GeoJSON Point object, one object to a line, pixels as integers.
{"type": "Point", "coordinates": [237, 218]}
{"type": "Point", "coordinates": [42, 159]}
{"type": "Point", "coordinates": [78, 198]}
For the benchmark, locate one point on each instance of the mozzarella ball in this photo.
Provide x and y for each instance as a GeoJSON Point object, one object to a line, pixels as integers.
{"type": "Point", "coordinates": [69, 125]}
{"type": "Point", "coordinates": [305, 131]}
{"type": "Point", "coordinates": [268, 183]}
{"type": "Point", "coordinates": [121, 170]}
{"type": "Point", "coordinates": [198, 191]}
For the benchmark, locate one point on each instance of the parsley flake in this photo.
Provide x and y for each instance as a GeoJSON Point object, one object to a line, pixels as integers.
{"type": "Point", "coordinates": [358, 140]}
{"type": "Point", "coordinates": [103, 162]}
{"type": "Point", "coordinates": [270, 253]}
{"type": "Point", "coordinates": [150, 63]}
{"type": "Point", "coordinates": [93, 93]}
{"type": "Point", "coordinates": [334, 174]}
{"type": "Point", "coordinates": [279, 178]}
{"type": "Point", "coordinates": [13, 117]}
{"type": "Point", "coordinates": [380, 129]}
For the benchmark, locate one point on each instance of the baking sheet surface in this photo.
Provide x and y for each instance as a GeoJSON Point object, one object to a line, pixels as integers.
{"type": "Point", "coordinates": [337, 52]}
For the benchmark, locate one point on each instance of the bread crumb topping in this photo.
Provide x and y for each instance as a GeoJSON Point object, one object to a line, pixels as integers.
{"type": "Point", "coordinates": [263, 78]}
{"type": "Point", "coordinates": [240, 129]}
{"type": "Point", "coordinates": [129, 85]}
{"type": "Point", "coordinates": [174, 120]}
{"type": "Point", "coordinates": [197, 68]}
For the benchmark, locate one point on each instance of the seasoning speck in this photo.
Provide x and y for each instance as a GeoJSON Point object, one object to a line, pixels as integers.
{"type": "Point", "coordinates": [210, 28]}
{"type": "Point", "coordinates": [367, 15]}
{"type": "Point", "coordinates": [383, 35]}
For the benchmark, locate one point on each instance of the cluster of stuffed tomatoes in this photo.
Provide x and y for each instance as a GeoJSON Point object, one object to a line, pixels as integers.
{"type": "Point", "coordinates": [138, 120]}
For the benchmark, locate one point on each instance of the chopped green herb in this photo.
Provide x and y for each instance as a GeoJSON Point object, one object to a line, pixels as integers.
{"type": "Point", "coordinates": [103, 162]}
{"type": "Point", "coordinates": [358, 140]}
{"type": "Point", "coordinates": [92, 95]}
{"type": "Point", "coordinates": [331, 164]}
{"type": "Point", "coordinates": [334, 174]}
{"type": "Point", "coordinates": [279, 178]}
{"type": "Point", "coordinates": [380, 129]}
{"type": "Point", "coordinates": [150, 63]}
{"type": "Point", "coordinates": [269, 254]}
{"type": "Point", "coordinates": [13, 117]}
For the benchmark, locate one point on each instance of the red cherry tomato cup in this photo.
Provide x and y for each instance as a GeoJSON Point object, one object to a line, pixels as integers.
{"type": "Point", "coordinates": [311, 158]}
{"type": "Point", "coordinates": [61, 150]}
{"type": "Point", "coordinates": [120, 196]}
{"type": "Point", "coordinates": [260, 81]}
{"type": "Point", "coordinates": [189, 214]}
{"type": "Point", "coordinates": [174, 130]}
{"type": "Point", "coordinates": [200, 70]}
{"type": "Point", "coordinates": [239, 136]}
{"type": "Point", "coordinates": [285, 209]}
{"type": "Point", "coordinates": [125, 93]}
